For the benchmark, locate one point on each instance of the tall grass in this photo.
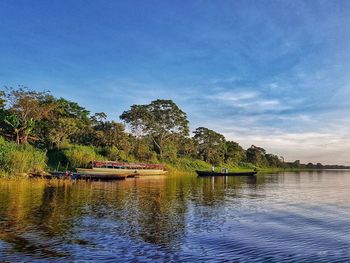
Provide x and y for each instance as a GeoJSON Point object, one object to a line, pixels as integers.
{"type": "Point", "coordinates": [188, 164]}
{"type": "Point", "coordinates": [81, 156]}
{"type": "Point", "coordinates": [15, 159]}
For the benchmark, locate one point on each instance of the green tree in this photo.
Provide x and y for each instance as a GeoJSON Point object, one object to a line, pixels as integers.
{"type": "Point", "coordinates": [15, 125]}
{"type": "Point", "coordinates": [2, 100]}
{"type": "Point", "coordinates": [256, 156]}
{"type": "Point", "coordinates": [211, 146]}
{"type": "Point", "coordinates": [68, 121]}
{"type": "Point", "coordinates": [29, 107]}
{"type": "Point", "coordinates": [141, 148]}
{"type": "Point", "coordinates": [234, 153]}
{"type": "Point", "coordinates": [111, 133]}
{"type": "Point", "coordinates": [61, 129]}
{"type": "Point", "coordinates": [273, 160]}
{"type": "Point", "coordinates": [186, 147]}
{"type": "Point", "coordinates": [160, 120]}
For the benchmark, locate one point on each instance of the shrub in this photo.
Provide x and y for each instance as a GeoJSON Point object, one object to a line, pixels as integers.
{"type": "Point", "coordinates": [247, 165]}
{"type": "Point", "coordinates": [81, 156]}
{"type": "Point", "coordinates": [114, 154]}
{"type": "Point", "coordinates": [16, 159]}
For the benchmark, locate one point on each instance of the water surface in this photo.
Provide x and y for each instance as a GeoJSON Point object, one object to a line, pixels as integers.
{"type": "Point", "coordinates": [290, 217]}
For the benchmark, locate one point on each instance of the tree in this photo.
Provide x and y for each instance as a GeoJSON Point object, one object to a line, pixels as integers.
{"type": "Point", "coordinates": [29, 107]}
{"type": "Point", "coordinates": [14, 123]}
{"type": "Point", "coordinates": [159, 120]}
{"type": "Point", "coordinates": [2, 100]}
{"type": "Point", "coordinates": [234, 153]}
{"type": "Point", "coordinates": [111, 133]}
{"type": "Point", "coordinates": [186, 147]}
{"type": "Point", "coordinates": [256, 156]}
{"type": "Point", "coordinates": [273, 160]}
{"type": "Point", "coordinates": [67, 121]}
{"type": "Point", "coordinates": [211, 146]}
{"type": "Point", "coordinates": [296, 164]}
{"type": "Point", "coordinates": [61, 129]}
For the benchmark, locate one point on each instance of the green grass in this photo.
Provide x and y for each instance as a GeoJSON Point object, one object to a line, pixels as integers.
{"type": "Point", "coordinates": [19, 159]}
{"type": "Point", "coordinates": [190, 165]}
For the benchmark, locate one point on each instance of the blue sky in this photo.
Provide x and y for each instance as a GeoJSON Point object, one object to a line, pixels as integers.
{"type": "Point", "coordinates": [270, 73]}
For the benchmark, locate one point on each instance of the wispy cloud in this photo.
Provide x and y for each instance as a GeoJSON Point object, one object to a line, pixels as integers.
{"type": "Point", "coordinates": [275, 74]}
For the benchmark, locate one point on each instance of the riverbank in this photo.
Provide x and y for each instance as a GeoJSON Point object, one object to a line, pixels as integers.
{"type": "Point", "coordinates": [22, 160]}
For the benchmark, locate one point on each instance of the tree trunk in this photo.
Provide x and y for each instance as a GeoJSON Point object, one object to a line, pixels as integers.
{"type": "Point", "coordinates": [17, 136]}
{"type": "Point", "coordinates": [24, 139]}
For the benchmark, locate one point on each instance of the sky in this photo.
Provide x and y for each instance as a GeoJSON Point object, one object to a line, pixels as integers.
{"type": "Point", "coordinates": [275, 74]}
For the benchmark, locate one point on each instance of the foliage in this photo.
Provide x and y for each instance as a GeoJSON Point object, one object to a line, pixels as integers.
{"type": "Point", "coordinates": [24, 108]}
{"type": "Point", "coordinates": [61, 129]}
{"type": "Point", "coordinates": [80, 156]}
{"type": "Point", "coordinates": [273, 160]}
{"type": "Point", "coordinates": [234, 153]}
{"type": "Point", "coordinates": [256, 156]}
{"type": "Point", "coordinates": [16, 159]}
{"type": "Point", "coordinates": [211, 146]}
{"type": "Point", "coordinates": [246, 165]}
{"type": "Point", "coordinates": [189, 164]}
{"type": "Point", "coordinates": [114, 154]}
{"type": "Point", "coordinates": [160, 120]}
{"type": "Point", "coordinates": [159, 132]}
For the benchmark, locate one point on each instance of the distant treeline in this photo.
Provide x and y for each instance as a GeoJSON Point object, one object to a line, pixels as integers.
{"type": "Point", "coordinates": [158, 132]}
{"type": "Point", "coordinates": [297, 165]}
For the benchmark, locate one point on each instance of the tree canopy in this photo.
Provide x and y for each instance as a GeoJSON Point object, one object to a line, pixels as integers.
{"type": "Point", "coordinates": [159, 131]}
{"type": "Point", "coordinates": [211, 146]}
{"type": "Point", "coordinates": [160, 120]}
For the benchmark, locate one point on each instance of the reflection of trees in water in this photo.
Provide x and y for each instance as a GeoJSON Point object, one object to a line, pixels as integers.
{"type": "Point", "coordinates": [215, 189]}
{"type": "Point", "coordinates": [154, 210]}
{"type": "Point", "coordinates": [42, 214]}
{"type": "Point", "coordinates": [18, 210]}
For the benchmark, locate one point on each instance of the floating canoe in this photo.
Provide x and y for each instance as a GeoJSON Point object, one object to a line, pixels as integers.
{"type": "Point", "coordinates": [208, 173]}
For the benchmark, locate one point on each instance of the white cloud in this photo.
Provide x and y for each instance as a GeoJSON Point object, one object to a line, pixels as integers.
{"type": "Point", "coordinates": [249, 101]}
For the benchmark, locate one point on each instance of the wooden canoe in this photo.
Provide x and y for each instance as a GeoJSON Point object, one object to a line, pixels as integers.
{"type": "Point", "coordinates": [209, 173]}
{"type": "Point", "coordinates": [114, 171]}
{"type": "Point", "coordinates": [92, 177]}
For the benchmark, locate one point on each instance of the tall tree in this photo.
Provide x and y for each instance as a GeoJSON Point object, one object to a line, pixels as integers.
{"type": "Point", "coordinates": [211, 146]}
{"type": "Point", "coordinates": [29, 107]}
{"type": "Point", "coordinates": [234, 153]}
{"type": "Point", "coordinates": [273, 160]}
{"type": "Point", "coordinates": [61, 129]}
{"type": "Point", "coordinates": [111, 133]}
{"type": "Point", "coordinates": [67, 121]}
{"type": "Point", "coordinates": [160, 120]}
{"type": "Point", "coordinates": [256, 156]}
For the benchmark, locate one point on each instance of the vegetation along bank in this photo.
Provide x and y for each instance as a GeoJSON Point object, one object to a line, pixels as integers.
{"type": "Point", "coordinates": [40, 132]}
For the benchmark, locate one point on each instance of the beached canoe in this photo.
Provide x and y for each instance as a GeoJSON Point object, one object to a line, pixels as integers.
{"type": "Point", "coordinates": [120, 168]}
{"type": "Point", "coordinates": [209, 173]}
{"type": "Point", "coordinates": [92, 177]}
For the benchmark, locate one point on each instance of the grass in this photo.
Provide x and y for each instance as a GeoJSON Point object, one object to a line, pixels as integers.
{"type": "Point", "coordinates": [20, 159]}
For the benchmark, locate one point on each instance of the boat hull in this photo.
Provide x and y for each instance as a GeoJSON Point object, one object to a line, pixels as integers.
{"type": "Point", "coordinates": [92, 177]}
{"type": "Point", "coordinates": [207, 173]}
{"type": "Point", "coordinates": [109, 171]}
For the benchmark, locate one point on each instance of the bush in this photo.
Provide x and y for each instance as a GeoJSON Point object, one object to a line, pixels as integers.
{"type": "Point", "coordinates": [81, 156]}
{"type": "Point", "coordinates": [57, 159]}
{"type": "Point", "coordinates": [114, 154]}
{"type": "Point", "coordinates": [188, 164]}
{"type": "Point", "coordinates": [16, 159]}
{"type": "Point", "coordinates": [247, 165]}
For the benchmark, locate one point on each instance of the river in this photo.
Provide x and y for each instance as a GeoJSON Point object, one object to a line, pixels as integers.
{"type": "Point", "coordinates": [287, 217]}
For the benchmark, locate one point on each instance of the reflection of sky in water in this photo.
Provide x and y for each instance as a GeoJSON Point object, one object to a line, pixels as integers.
{"type": "Point", "coordinates": [272, 217]}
